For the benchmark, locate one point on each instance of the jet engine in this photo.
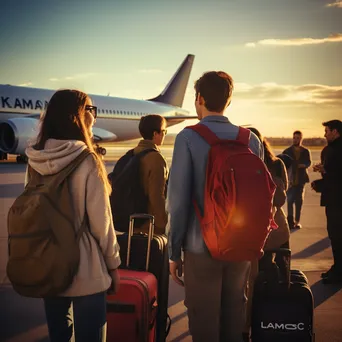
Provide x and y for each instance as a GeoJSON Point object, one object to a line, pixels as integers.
{"type": "Point", "coordinates": [16, 133]}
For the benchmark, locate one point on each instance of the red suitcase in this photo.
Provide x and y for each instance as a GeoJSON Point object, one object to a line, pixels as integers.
{"type": "Point", "coordinates": [131, 312]}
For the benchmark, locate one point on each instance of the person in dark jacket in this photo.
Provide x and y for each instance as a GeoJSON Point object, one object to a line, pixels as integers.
{"type": "Point", "coordinates": [298, 176]}
{"type": "Point", "coordinates": [330, 187]}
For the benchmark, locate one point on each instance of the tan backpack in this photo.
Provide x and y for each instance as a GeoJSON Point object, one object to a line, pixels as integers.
{"type": "Point", "coordinates": [43, 245]}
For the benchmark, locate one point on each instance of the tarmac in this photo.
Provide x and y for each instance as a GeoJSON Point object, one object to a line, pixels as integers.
{"type": "Point", "coordinates": [23, 319]}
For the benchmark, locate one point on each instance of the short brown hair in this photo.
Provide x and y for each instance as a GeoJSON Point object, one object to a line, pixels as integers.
{"type": "Point", "coordinates": [150, 124]}
{"type": "Point", "coordinates": [216, 88]}
{"type": "Point", "coordinates": [298, 132]}
{"type": "Point", "coordinates": [334, 124]}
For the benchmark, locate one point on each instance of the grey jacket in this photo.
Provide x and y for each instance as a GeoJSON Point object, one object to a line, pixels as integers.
{"type": "Point", "coordinates": [187, 181]}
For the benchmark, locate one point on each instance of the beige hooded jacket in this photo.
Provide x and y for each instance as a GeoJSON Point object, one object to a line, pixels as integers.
{"type": "Point", "coordinates": [99, 250]}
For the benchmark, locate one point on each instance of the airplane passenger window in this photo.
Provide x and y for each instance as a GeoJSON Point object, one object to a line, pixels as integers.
{"type": "Point", "coordinates": [120, 111]}
{"type": "Point", "coordinates": [106, 111]}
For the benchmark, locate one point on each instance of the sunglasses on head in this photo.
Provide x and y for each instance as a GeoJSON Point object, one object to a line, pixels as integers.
{"type": "Point", "coordinates": [92, 110]}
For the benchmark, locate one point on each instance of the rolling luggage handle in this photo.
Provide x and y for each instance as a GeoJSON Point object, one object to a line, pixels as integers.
{"type": "Point", "coordinates": [149, 239]}
{"type": "Point", "coordinates": [285, 270]}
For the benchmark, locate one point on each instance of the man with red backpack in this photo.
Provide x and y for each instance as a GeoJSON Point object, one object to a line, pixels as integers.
{"type": "Point", "coordinates": [219, 204]}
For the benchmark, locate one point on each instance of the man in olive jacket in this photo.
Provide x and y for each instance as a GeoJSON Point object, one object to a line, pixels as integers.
{"type": "Point", "coordinates": [330, 187]}
{"type": "Point", "coordinates": [153, 169]}
{"type": "Point", "coordinates": [298, 176]}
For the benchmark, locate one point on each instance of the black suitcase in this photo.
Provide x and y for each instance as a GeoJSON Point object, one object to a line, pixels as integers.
{"type": "Point", "coordinates": [282, 308]}
{"type": "Point", "coordinates": [159, 266]}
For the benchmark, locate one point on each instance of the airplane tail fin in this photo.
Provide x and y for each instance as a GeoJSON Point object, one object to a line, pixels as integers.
{"type": "Point", "coordinates": [174, 92]}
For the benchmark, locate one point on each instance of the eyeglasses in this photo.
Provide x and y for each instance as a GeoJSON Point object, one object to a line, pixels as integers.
{"type": "Point", "coordinates": [163, 131]}
{"type": "Point", "coordinates": [92, 110]}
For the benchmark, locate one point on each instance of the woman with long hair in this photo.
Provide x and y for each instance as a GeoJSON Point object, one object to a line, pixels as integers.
{"type": "Point", "coordinates": [278, 238]}
{"type": "Point", "coordinates": [66, 131]}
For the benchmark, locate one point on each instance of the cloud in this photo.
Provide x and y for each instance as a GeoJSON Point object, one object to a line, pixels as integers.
{"type": "Point", "coordinates": [333, 38]}
{"type": "Point", "coordinates": [150, 71]}
{"type": "Point", "coordinates": [335, 4]}
{"type": "Point", "coordinates": [297, 95]}
{"type": "Point", "coordinates": [74, 77]}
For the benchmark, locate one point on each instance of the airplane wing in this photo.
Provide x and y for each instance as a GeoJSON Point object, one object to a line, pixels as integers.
{"type": "Point", "coordinates": [178, 119]}
{"type": "Point", "coordinates": [101, 135]}
{"type": "Point", "coordinates": [34, 116]}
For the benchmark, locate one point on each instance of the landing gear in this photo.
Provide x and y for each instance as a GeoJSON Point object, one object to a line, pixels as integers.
{"type": "Point", "coordinates": [3, 155]}
{"type": "Point", "coordinates": [101, 150]}
{"type": "Point", "coordinates": [22, 159]}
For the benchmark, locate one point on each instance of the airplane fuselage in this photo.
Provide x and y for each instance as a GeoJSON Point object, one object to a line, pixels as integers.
{"type": "Point", "coordinates": [117, 115]}
{"type": "Point", "coordinates": [117, 119]}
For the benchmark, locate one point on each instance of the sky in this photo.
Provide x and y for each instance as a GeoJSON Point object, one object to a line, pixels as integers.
{"type": "Point", "coordinates": [285, 56]}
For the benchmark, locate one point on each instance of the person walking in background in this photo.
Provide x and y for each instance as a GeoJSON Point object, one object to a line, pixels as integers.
{"type": "Point", "coordinates": [298, 177]}
{"type": "Point", "coordinates": [214, 289]}
{"type": "Point", "coordinates": [330, 187]}
{"type": "Point", "coordinates": [66, 131]}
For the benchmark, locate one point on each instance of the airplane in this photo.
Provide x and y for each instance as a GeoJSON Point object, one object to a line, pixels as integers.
{"type": "Point", "coordinates": [117, 120]}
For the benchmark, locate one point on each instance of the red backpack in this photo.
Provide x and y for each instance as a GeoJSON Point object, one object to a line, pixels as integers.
{"type": "Point", "coordinates": [238, 194]}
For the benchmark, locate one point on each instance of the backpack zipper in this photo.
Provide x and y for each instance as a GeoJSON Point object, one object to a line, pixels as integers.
{"type": "Point", "coordinates": [22, 236]}
{"type": "Point", "coordinates": [29, 234]}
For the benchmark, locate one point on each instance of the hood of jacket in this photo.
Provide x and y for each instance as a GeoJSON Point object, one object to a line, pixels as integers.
{"type": "Point", "coordinates": [56, 155]}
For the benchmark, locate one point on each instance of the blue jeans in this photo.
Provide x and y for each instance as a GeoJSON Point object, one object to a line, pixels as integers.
{"type": "Point", "coordinates": [295, 195]}
{"type": "Point", "coordinates": [80, 319]}
{"type": "Point", "coordinates": [215, 297]}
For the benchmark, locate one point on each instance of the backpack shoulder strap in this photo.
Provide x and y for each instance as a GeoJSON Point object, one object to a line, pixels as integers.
{"type": "Point", "coordinates": [130, 153]}
{"type": "Point", "coordinates": [34, 177]}
{"type": "Point", "coordinates": [64, 173]}
{"type": "Point", "coordinates": [244, 135]}
{"type": "Point", "coordinates": [208, 135]}
{"type": "Point", "coordinates": [84, 226]}
{"type": "Point", "coordinates": [144, 152]}
{"type": "Point", "coordinates": [117, 173]}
